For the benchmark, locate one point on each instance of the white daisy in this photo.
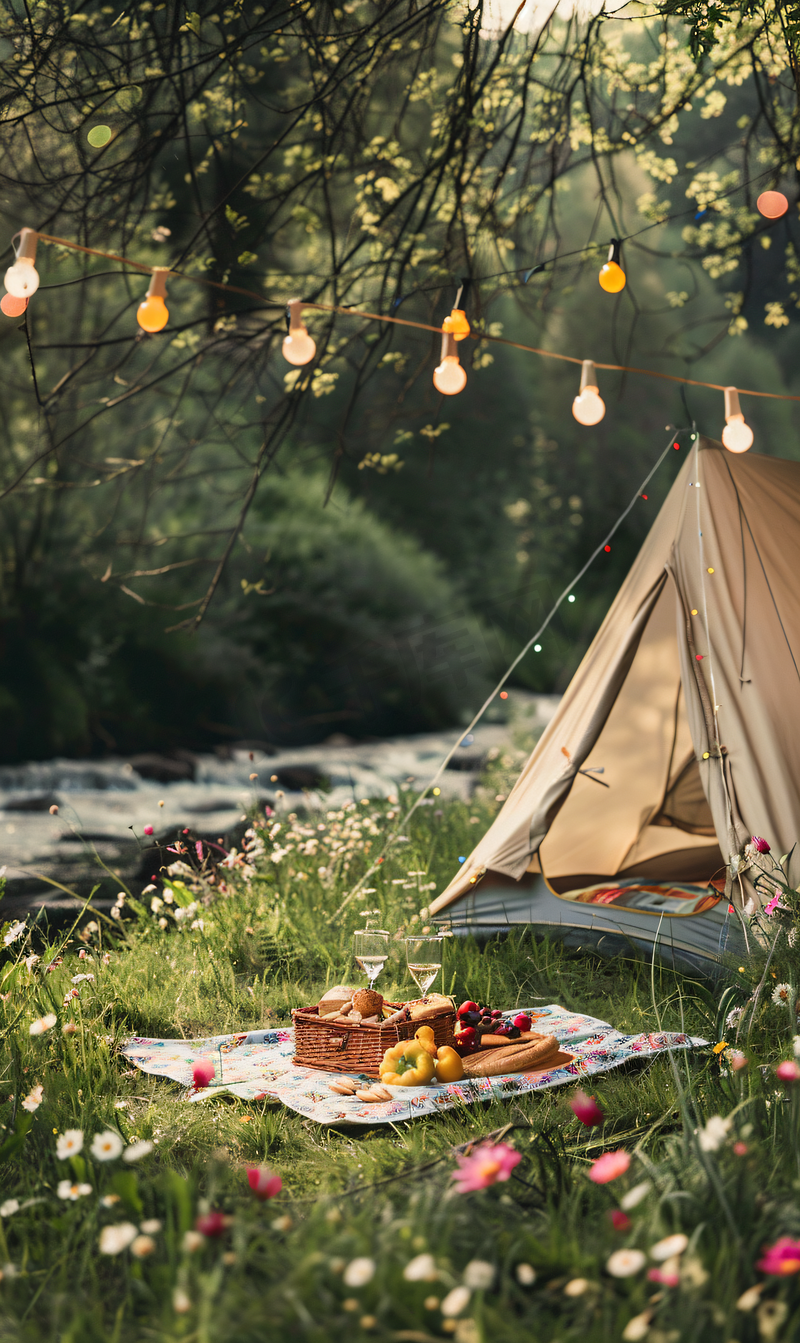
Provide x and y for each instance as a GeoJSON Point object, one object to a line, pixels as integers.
{"type": "Point", "coordinates": [67, 1190]}
{"type": "Point", "coordinates": [106, 1146]}
{"type": "Point", "coordinates": [69, 1143]}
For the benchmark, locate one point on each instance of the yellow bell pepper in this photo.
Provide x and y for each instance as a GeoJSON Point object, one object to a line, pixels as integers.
{"type": "Point", "coordinates": [408, 1064]}
{"type": "Point", "coordinates": [426, 1038]}
{"type": "Point", "coordinates": [449, 1065]}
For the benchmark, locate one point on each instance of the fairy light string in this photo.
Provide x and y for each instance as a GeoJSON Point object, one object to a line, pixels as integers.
{"type": "Point", "coordinates": [351, 311]}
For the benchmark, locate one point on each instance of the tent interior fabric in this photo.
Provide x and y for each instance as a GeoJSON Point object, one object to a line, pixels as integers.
{"type": "Point", "coordinates": [677, 739]}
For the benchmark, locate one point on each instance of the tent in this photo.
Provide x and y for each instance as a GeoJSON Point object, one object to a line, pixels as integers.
{"type": "Point", "coordinates": [677, 739]}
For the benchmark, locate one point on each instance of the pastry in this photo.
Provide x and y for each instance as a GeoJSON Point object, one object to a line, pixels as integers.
{"type": "Point", "coordinates": [368, 1002]}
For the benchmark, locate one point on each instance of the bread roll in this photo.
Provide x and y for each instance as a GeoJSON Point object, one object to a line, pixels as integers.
{"type": "Point", "coordinates": [335, 999]}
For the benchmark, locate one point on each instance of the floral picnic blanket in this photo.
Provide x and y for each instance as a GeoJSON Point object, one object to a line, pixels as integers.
{"type": "Point", "coordinates": [257, 1065]}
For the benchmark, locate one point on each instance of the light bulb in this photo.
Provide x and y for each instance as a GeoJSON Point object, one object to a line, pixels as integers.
{"type": "Point", "coordinates": [588, 406]}
{"type": "Point", "coordinates": [152, 313]}
{"type": "Point", "coordinates": [298, 347]}
{"type": "Point", "coordinates": [449, 377]}
{"type": "Point", "coordinates": [457, 324]}
{"type": "Point", "coordinates": [22, 279]}
{"type": "Point", "coordinates": [737, 436]}
{"type": "Point", "coordinates": [772, 204]}
{"type": "Point", "coordinates": [13, 307]}
{"type": "Point", "coordinates": [612, 277]}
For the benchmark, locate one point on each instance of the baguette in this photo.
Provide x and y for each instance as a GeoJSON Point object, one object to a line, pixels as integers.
{"type": "Point", "coordinates": [489, 1041]}
{"type": "Point", "coordinates": [516, 1058]}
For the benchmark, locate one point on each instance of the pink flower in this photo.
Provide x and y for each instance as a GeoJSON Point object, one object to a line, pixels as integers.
{"type": "Point", "coordinates": [788, 1071]}
{"type": "Point", "coordinates": [202, 1074]}
{"type": "Point", "coordinates": [760, 845]}
{"type": "Point", "coordinates": [212, 1224]}
{"type": "Point", "coordinates": [488, 1164]}
{"type": "Point", "coordinates": [782, 1258]}
{"type": "Point", "coordinates": [774, 903]}
{"type": "Point", "coordinates": [263, 1183]}
{"type": "Point", "coordinates": [586, 1109]}
{"type": "Point", "coordinates": [663, 1275]}
{"type": "Point", "coordinates": [737, 1059]}
{"type": "Point", "coordinates": [740, 1148]}
{"type": "Point", "coordinates": [198, 846]}
{"type": "Point", "coordinates": [619, 1220]}
{"type": "Point", "coordinates": [148, 830]}
{"type": "Point", "coordinates": [609, 1166]}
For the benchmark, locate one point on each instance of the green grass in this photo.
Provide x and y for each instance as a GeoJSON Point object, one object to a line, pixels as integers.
{"type": "Point", "coordinates": [277, 1272]}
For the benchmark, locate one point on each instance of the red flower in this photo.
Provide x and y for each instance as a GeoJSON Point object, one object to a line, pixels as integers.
{"type": "Point", "coordinates": [760, 845]}
{"type": "Point", "coordinates": [619, 1220]}
{"type": "Point", "coordinates": [609, 1166]}
{"type": "Point", "coordinates": [586, 1109]}
{"type": "Point", "coordinates": [202, 1074]}
{"type": "Point", "coordinates": [212, 1224]}
{"type": "Point", "coordinates": [781, 1259]}
{"type": "Point", "coordinates": [148, 830]}
{"type": "Point", "coordinates": [263, 1183]}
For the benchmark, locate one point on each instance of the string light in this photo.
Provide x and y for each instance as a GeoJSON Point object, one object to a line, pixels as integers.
{"type": "Point", "coordinates": [612, 277]}
{"type": "Point", "coordinates": [298, 347]}
{"type": "Point", "coordinates": [772, 204]}
{"type": "Point", "coordinates": [13, 307]}
{"type": "Point", "coordinates": [588, 406]}
{"type": "Point", "coordinates": [152, 313]}
{"type": "Point", "coordinates": [457, 325]}
{"type": "Point", "coordinates": [736, 436]}
{"type": "Point", "coordinates": [22, 279]}
{"type": "Point", "coordinates": [449, 377]}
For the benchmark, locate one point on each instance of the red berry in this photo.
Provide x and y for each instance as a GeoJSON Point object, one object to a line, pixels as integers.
{"type": "Point", "coordinates": [467, 1007]}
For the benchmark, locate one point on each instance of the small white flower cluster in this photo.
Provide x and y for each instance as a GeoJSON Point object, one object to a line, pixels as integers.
{"type": "Point", "coordinates": [13, 933]}
{"type": "Point", "coordinates": [106, 1146]}
{"type": "Point", "coordinates": [116, 910]}
{"type": "Point", "coordinates": [114, 1239]}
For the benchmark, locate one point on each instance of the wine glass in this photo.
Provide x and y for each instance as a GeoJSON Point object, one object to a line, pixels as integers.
{"type": "Point", "coordinates": [424, 958]}
{"type": "Point", "coordinates": [371, 950]}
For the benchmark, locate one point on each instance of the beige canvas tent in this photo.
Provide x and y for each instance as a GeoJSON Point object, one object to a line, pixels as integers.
{"type": "Point", "coordinates": [687, 708]}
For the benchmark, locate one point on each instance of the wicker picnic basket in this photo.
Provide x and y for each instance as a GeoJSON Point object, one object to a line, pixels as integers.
{"type": "Point", "coordinates": [341, 1047]}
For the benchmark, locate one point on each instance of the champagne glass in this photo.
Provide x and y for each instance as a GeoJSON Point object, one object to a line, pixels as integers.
{"type": "Point", "coordinates": [371, 950]}
{"type": "Point", "coordinates": [424, 958]}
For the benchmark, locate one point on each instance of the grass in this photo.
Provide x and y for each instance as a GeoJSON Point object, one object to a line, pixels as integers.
{"type": "Point", "coordinates": [279, 1271]}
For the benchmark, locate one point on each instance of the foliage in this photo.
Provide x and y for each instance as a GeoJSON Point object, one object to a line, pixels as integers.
{"type": "Point", "coordinates": [714, 1151]}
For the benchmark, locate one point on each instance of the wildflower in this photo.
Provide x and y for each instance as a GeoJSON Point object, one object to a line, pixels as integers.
{"type": "Point", "coordinates": [740, 1148]}
{"type": "Point", "coordinates": [489, 1163]}
{"type": "Point", "coordinates": [760, 845]}
{"type": "Point", "coordinates": [69, 1028]}
{"type": "Point", "coordinates": [8, 1208]}
{"type": "Point", "coordinates": [431, 1303]}
{"type": "Point", "coordinates": [714, 1134]}
{"type": "Point", "coordinates": [586, 1109]}
{"type": "Point", "coordinates": [737, 1059]}
{"type": "Point", "coordinates": [609, 1166]}
{"type": "Point", "coordinates": [263, 1183]}
{"type": "Point", "coordinates": [212, 1224]}
{"type": "Point", "coordinates": [42, 1024]}
{"type": "Point", "coordinates": [148, 830]}
{"type": "Point", "coordinates": [669, 1247]}
{"type": "Point", "coordinates": [202, 1074]}
{"type": "Point", "coordinates": [619, 1220]}
{"type": "Point", "coordinates": [455, 1301]}
{"type": "Point", "coordinates": [773, 904]}
{"type": "Point", "coordinates": [479, 1275]}
{"type": "Point", "coordinates": [624, 1263]}
{"type": "Point", "coordinates": [9, 1271]}
{"type": "Point", "coordinates": [781, 995]}
{"type": "Point", "coordinates": [282, 1223]}
{"type": "Point", "coordinates": [136, 1150]}
{"type": "Point", "coordinates": [796, 1046]}
{"type": "Point", "coordinates": [359, 1272]}
{"type": "Point", "coordinates": [180, 1301]}
{"type": "Point", "coordinates": [692, 1272]}
{"type": "Point", "coordinates": [734, 1017]}
{"type": "Point", "coordinates": [635, 1195]}
{"type": "Point", "coordinates": [115, 1239]}
{"type": "Point", "coordinates": [108, 1200]}
{"type": "Point", "coordinates": [526, 1275]}
{"type": "Point", "coordinates": [770, 1316]}
{"type": "Point", "coordinates": [33, 1099]}
{"type": "Point", "coordinates": [577, 1287]}
{"type": "Point", "coordinates": [16, 930]}
{"type": "Point", "coordinates": [781, 1259]}
{"type": "Point", "coordinates": [788, 1071]}
{"type": "Point", "coordinates": [78, 979]}
{"type": "Point", "coordinates": [192, 1240]}
{"type": "Point", "coordinates": [67, 1190]}
{"type": "Point", "coordinates": [669, 1275]}
{"type": "Point", "coordinates": [638, 1327]}
{"type": "Point", "coordinates": [749, 1299]}
{"type": "Point", "coordinates": [151, 1227]}
{"type": "Point", "coordinates": [142, 1246]}
{"type": "Point", "coordinates": [106, 1146]}
{"type": "Point", "coordinates": [32, 961]}
{"type": "Point", "coordinates": [421, 1269]}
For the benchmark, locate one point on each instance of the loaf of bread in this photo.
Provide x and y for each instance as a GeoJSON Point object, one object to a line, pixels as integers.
{"type": "Point", "coordinates": [426, 1007]}
{"type": "Point", "coordinates": [521, 1056]}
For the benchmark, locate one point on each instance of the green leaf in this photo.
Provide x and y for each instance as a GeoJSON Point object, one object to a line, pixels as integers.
{"type": "Point", "coordinates": [125, 1184]}
{"type": "Point", "coordinates": [177, 1189]}
{"type": "Point", "coordinates": [12, 1145]}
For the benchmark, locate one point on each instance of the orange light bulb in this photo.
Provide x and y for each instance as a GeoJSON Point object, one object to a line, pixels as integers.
{"type": "Point", "coordinates": [457, 324]}
{"type": "Point", "coordinates": [11, 306]}
{"type": "Point", "coordinates": [772, 204]}
{"type": "Point", "coordinates": [612, 277]}
{"type": "Point", "coordinates": [152, 313]}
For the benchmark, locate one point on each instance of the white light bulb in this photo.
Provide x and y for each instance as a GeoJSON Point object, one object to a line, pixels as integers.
{"type": "Point", "coordinates": [589, 407]}
{"type": "Point", "coordinates": [298, 347]}
{"type": "Point", "coordinates": [737, 436]}
{"type": "Point", "coordinates": [22, 279]}
{"type": "Point", "coordinates": [449, 377]}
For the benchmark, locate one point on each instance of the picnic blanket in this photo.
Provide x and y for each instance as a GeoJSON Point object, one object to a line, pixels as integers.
{"type": "Point", "coordinates": [257, 1065]}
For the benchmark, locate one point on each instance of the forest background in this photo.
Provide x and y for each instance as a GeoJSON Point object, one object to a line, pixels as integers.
{"type": "Point", "coordinates": [200, 544]}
